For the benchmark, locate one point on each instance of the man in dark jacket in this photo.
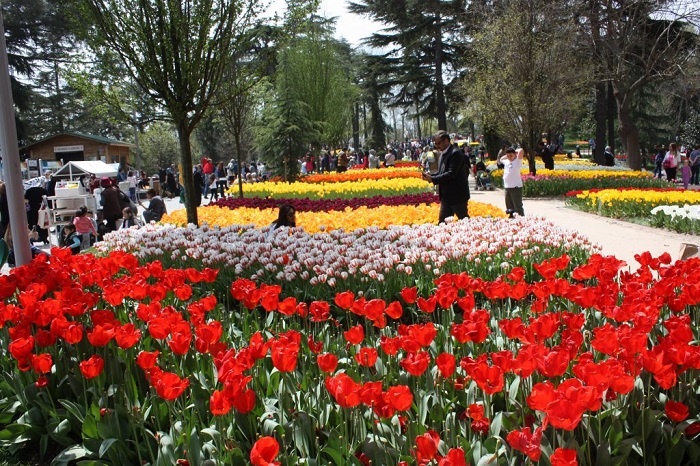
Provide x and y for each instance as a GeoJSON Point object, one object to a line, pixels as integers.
{"type": "Point", "coordinates": [156, 207]}
{"type": "Point", "coordinates": [451, 179]}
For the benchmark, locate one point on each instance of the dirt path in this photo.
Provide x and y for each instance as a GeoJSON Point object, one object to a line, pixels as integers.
{"type": "Point", "coordinates": [618, 238]}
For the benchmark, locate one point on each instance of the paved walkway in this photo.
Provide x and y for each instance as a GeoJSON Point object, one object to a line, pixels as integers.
{"type": "Point", "coordinates": [618, 238]}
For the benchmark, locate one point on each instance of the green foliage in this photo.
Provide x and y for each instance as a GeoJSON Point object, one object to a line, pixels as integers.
{"type": "Point", "coordinates": [554, 186]}
{"type": "Point", "coordinates": [311, 103]}
{"type": "Point", "coordinates": [678, 223]}
{"type": "Point", "coordinates": [422, 52]}
{"type": "Point", "coordinates": [159, 147]}
{"type": "Point", "coordinates": [690, 130]}
{"type": "Point", "coordinates": [524, 85]}
{"type": "Point", "coordinates": [178, 52]}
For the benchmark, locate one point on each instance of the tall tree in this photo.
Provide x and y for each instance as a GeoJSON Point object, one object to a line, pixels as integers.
{"type": "Point", "coordinates": [424, 44]}
{"type": "Point", "coordinates": [636, 43]}
{"type": "Point", "coordinates": [177, 50]}
{"type": "Point", "coordinates": [37, 38]}
{"type": "Point", "coordinates": [525, 85]}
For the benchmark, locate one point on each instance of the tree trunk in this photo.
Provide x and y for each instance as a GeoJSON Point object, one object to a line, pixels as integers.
{"type": "Point", "coordinates": [59, 99]}
{"type": "Point", "coordinates": [611, 104]}
{"type": "Point", "coordinates": [629, 134]}
{"type": "Point", "coordinates": [441, 105]}
{"type": "Point", "coordinates": [419, 129]}
{"type": "Point", "coordinates": [530, 152]}
{"type": "Point", "coordinates": [183, 134]}
{"type": "Point", "coordinates": [356, 127]}
{"type": "Point", "coordinates": [600, 116]}
{"type": "Point", "coordinates": [239, 158]}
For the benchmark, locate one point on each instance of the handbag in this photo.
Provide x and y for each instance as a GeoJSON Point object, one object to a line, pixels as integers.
{"type": "Point", "coordinates": [43, 220]}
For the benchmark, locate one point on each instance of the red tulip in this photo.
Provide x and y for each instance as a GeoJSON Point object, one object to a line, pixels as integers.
{"type": "Point", "coordinates": [21, 348]}
{"type": "Point", "coordinates": [409, 295]}
{"type": "Point", "coordinates": [284, 356]}
{"type": "Point", "coordinates": [245, 402]}
{"type": "Point", "coordinates": [147, 360]}
{"type": "Point", "coordinates": [676, 411]}
{"type": "Point", "coordinates": [344, 390]}
{"type": "Point", "coordinates": [327, 362]}
{"type": "Point", "coordinates": [355, 335]}
{"type": "Point", "coordinates": [446, 364]}
{"type": "Point", "coordinates": [42, 363]}
{"type": "Point", "coordinates": [320, 311]}
{"type": "Point", "coordinates": [415, 363]}
{"type": "Point", "coordinates": [427, 446]}
{"type": "Point", "coordinates": [366, 357]}
{"type": "Point", "coordinates": [400, 397]}
{"type": "Point", "coordinates": [92, 367]}
{"type": "Point", "coordinates": [264, 452]}
{"type": "Point", "coordinates": [455, 457]}
{"type": "Point", "coordinates": [127, 336]}
{"type": "Point", "coordinates": [526, 442]}
{"type": "Point", "coordinates": [563, 457]}
{"type": "Point", "coordinates": [168, 386]}
{"type": "Point", "coordinates": [219, 403]}
{"type": "Point", "coordinates": [344, 299]}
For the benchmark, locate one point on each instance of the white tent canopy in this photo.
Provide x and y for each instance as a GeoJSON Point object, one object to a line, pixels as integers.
{"type": "Point", "coordinates": [73, 170]}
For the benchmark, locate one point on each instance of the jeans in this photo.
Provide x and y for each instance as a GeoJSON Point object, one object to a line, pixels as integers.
{"type": "Point", "coordinates": [694, 174]}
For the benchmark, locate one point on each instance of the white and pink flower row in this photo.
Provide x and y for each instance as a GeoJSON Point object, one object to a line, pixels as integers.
{"type": "Point", "coordinates": [370, 253]}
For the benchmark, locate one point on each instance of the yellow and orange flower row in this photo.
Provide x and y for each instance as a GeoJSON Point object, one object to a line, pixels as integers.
{"type": "Point", "coordinates": [346, 189]}
{"type": "Point", "coordinates": [644, 196]}
{"type": "Point", "coordinates": [313, 222]}
{"type": "Point", "coordinates": [370, 174]}
{"type": "Point", "coordinates": [584, 174]}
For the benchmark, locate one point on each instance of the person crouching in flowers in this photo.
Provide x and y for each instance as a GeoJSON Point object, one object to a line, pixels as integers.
{"type": "Point", "coordinates": [286, 218]}
{"type": "Point", "coordinates": [71, 238]}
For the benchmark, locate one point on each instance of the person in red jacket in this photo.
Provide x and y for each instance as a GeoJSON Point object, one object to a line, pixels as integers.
{"type": "Point", "coordinates": [207, 169]}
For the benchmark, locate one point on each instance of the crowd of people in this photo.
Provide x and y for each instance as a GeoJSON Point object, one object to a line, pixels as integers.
{"type": "Point", "coordinates": [445, 163]}
{"type": "Point", "coordinates": [678, 164]}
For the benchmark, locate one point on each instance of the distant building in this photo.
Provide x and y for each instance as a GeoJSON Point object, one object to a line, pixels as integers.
{"type": "Point", "coordinates": [76, 147]}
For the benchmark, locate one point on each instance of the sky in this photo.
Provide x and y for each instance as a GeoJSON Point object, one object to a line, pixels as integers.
{"type": "Point", "coordinates": [351, 27]}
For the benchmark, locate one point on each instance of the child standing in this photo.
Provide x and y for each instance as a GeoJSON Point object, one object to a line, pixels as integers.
{"type": "Point", "coordinates": [512, 181]}
{"type": "Point", "coordinates": [133, 183]}
{"type": "Point", "coordinates": [84, 226]}
{"type": "Point", "coordinates": [685, 173]}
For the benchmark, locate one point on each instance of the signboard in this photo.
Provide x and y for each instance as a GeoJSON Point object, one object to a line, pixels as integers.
{"type": "Point", "coordinates": [61, 149]}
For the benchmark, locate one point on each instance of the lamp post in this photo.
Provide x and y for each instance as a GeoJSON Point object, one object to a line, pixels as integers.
{"type": "Point", "coordinates": [12, 172]}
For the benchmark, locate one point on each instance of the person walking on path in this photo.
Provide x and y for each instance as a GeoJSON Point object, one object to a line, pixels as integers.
{"type": "Point", "coordinates": [512, 181]}
{"type": "Point", "coordinates": [694, 158]}
{"type": "Point", "coordinates": [671, 162]}
{"type": "Point", "coordinates": [451, 179]}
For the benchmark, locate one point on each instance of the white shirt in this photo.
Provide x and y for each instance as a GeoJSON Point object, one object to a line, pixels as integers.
{"type": "Point", "coordinates": [511, 172]}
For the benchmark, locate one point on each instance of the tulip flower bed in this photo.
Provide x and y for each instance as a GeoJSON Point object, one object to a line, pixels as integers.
{"type": "Point", "coordinates": [339, 190]}
{"type": "Point", "coordinates": [628, 202]}
{"type": "Point", "coordinates": [326, 205]}
{"type": "Point", "coordinates": [406, 164]}
{"type": "Point", "coordinates": [351, 218]}
{"type": "Point", "coordinates": [111, 362]}
{"type": "Point", "coordinates": [370, 260]}
{"type": "Point", "coordinates": [549, 183]}
{"type": "Point", "coordinates": [369, 174]}
{"type": "Point", "coordinates": [683, 219]}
